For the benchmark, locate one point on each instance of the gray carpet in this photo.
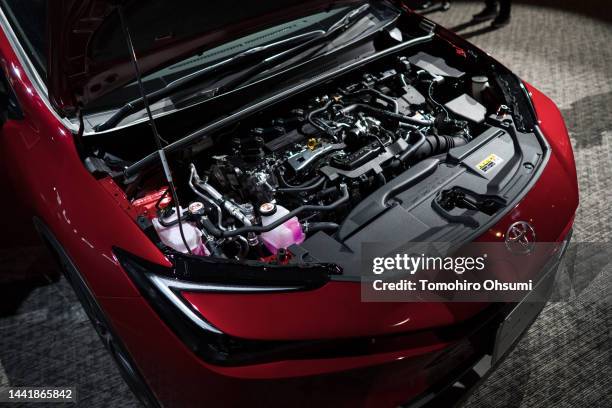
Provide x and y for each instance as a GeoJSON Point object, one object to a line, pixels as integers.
{"type": "Point", "coordinates": [565, 358]}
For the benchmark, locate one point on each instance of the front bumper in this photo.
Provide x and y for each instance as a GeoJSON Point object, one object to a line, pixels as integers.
{"type": "Point", "coordinates": [429, 368]}
{"type": "Point", "coordinates": [500, 336]}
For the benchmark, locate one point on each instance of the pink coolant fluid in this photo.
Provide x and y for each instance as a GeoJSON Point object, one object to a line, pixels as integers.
{"type": "Point", "coordinates": [283, 236]}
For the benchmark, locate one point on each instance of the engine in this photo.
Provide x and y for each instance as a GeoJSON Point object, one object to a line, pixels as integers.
{"type": "Point", "coordinates": [271, 183]}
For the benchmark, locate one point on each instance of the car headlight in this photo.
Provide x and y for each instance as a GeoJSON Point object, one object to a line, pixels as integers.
{"type": "Point", "coordinates": [163, 288]}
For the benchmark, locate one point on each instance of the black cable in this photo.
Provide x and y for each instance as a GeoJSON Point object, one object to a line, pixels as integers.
{"type": "Point", "coordinates": [430, 92]}
{"type": "Point", "coordinates": [157, 137]}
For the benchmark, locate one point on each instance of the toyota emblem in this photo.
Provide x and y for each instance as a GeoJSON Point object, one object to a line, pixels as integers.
{"type": "Point", "coordinates": [520, 238]}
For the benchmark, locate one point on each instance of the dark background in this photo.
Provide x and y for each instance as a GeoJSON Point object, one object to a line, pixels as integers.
{"type": "Point", "coordinates": [564, 48]}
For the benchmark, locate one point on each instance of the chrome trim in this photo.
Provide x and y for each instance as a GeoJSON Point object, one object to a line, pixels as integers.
{"type": "Point", "coordinates": [30, 71]}
{"type": "Point", "coordinates": [523, 234]}
{"type": "Point", "coordinates": [166, 285]}
{"type": "Point", "coordinates": [207, 287]}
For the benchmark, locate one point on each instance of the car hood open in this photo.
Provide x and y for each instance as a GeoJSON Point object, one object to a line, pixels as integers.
{"type": "Point", "coordinates": [88, 57]}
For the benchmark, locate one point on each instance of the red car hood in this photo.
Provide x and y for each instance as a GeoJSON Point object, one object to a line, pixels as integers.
{"type": "Point", "coordinates": [88, 56]}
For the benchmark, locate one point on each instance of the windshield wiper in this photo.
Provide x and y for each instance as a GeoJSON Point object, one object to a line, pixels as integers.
{"type": "Point", "coordinates": [346, 22]}
{"type": "Point", "coordinates": [303, 41]}
{"type": "Point", "coordinates": [137, 105]}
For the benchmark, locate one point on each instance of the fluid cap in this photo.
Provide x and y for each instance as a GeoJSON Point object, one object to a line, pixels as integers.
{"type": "Point", "coordinates": [196, 208]}
{"type": "Point", "coordinates": [267, 209]}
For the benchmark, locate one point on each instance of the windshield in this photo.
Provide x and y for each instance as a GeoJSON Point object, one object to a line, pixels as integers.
{"type": "Point", "coordinates": [318, 20]}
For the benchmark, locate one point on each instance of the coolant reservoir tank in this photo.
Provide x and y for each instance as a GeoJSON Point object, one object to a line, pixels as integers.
{"type": "Point", "coordinates": [170, 234]}
{"type": "Point", "coordinates": [283, 236]}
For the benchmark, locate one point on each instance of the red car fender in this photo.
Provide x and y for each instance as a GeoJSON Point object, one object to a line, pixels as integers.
{"type": "Point", "coordinates": [55, 186]}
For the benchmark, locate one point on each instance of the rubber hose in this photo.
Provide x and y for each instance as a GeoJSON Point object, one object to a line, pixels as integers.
{"type": "Point", "coordinates": [438, 144]}
{"type": "Point", "coordinates": [321, 226]}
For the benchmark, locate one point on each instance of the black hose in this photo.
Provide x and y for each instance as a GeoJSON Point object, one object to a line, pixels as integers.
{"type": "Point", "coordinates": [300, 189]}
{"type": "Point", "coordinates": [318, 125]}
{"type": "Point", "coordinates": [438, 144]}
{"type": "Point", "coordinates": [321, 226]}
{"type": "Point", "coordinates": [380, 95]}
{"type": "Point", "coordinates": [167, 224]}
{"type": "Point", "coordinates": [415, 146]}
{"type": "Point", "coordinates": [326, 191]}
{"type": "Point", "coordinates": [301, 185]}
{"type": "Point", "coordinates": [214, 231]}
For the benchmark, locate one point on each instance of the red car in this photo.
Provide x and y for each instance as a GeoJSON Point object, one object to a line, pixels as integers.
{"type": "Point", "coordinates": [206, 173]}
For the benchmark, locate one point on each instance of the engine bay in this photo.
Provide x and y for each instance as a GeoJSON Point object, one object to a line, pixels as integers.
{"type": "Point", "coordinates": [269, 185]}
{"type": "Point", "coordinates": [294, 183]}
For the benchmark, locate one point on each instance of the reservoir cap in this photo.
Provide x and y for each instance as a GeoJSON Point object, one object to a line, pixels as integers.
{"type": "Point", "coordinates": [267, 209]}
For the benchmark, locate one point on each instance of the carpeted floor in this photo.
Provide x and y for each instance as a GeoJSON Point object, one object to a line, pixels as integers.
{"type": "Point", "coordinates": [564, 360]}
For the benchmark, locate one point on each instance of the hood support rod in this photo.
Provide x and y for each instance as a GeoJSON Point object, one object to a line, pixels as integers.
{"type": "Point", "coordinates": [156, 136]}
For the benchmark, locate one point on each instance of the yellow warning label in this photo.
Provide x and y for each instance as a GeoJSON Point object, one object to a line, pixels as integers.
{"type": "Point", "coordinates": [489, 163]}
